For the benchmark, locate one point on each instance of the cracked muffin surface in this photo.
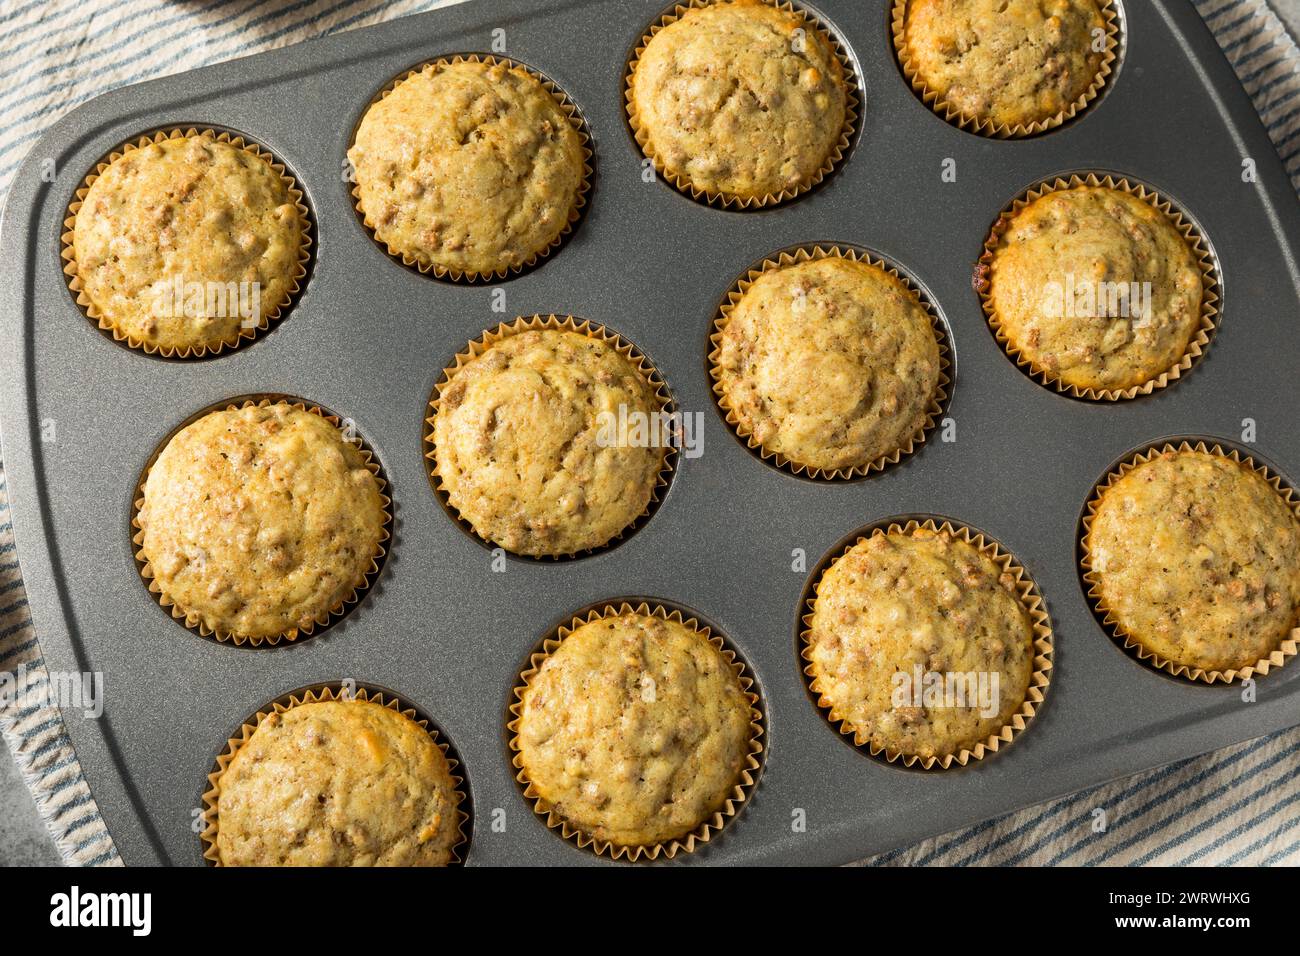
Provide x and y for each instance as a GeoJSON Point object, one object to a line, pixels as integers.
{"type": "Point", "coordinates": [337, 783]}
{"type": "Point", "coordinates": [468, 166]}
{"type": "Point", "coordinates": [1010, 62]}
{"type": "Point", "coordinates": [831, 362]}
{"type": "Point", "coordinates": [635, 729]}
{"type": "Point", "coordinates": [1197, 558]}
{"type": "Point", "coordinates": [901, 614]}
{"type": "Point", "coordinates": [182, 243]}
{"type": "Point", "coordinates": [740, 98]}
{"type": "Point", "coordinates": [546, 444]}
{"type": "Point", "coordinates": [1096, 287]}
{"type": "Point", "coordinates": [260, 520]}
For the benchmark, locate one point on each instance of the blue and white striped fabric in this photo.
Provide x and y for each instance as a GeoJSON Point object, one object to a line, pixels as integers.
{"type": "Point", "coordinates": [1238, 806]}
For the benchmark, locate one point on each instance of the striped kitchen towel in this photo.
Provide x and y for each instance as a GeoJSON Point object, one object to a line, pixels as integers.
{"type": "Point", "coordinates": [1237, 806]}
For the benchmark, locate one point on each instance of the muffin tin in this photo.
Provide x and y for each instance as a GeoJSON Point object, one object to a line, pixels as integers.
{"type": "Point", "coordinates": [735, 540]}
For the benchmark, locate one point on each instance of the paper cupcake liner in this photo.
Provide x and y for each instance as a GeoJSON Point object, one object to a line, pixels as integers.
{"type": "Point", "coordinates": [576, 119]}
{"type": "Point", "coordinates": [552, 322]}
{"type": "Point", "coordinates": [681, 182]}
{"type": "Point", "coordinates": [1030, 598]}
{"type": "Point", "coordinates": [1092, 584]}
{"type": "Point", "coordinates": [805, 253]}
{"type": "Point", "coordinates": [93, 312]}
{"type": "Point", "coordinates": [986, 127]}
{"type": "Point", "coordinates": [740, 793]}
{"type": "Point", "coordinates": [331, 691]}
{"type": "Point", "coordinates": [1196, 347]}
{"type": "Point", "coordinates": [192, 619]}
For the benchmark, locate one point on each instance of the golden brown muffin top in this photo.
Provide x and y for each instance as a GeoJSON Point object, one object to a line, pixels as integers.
{"type": "Point", "coordinates": [919, 604]}
{"type": "Point", "coordinates": [1010, 62]}
{"type": "Point", "coordinates": [469, 166]}
{"type": "Point", "coordinates": [1197, 558]}
{"type": "Point", "coordinates": [338, 783]}
{"type": "Point", "coordinates": [528, 449]}
{"type": "Point", "coordinates": [740, 98]}
{"type": "Point", "coordinates": [182, 242]}
{"type": "Point", "coordinates": [259, 520]}
{"type": "Point", "coordinates": [636, 729]}
{"type": "Point", "coordinates": [831, 362]}
{"type": "Point", "coordinates": [1096, 287]}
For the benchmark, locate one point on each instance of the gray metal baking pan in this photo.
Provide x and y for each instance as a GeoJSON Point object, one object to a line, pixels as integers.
{"type": "Point", "coordinates": [368, 339]}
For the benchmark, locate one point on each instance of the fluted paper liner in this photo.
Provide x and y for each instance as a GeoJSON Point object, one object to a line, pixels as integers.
{"type": "Point", "coordinates": [722, 200]}
{"type": "Point", "coordinates": [986, 127]}
{"type": "Point", "coordinates": [334, 691]}
{"type": "Point", "coordinates": [560, 323]}
{"type": "Point", "coordinates": [1196, 346]}
{"type": "Point", "coordinates": [709, 828]}
{"type": "Point", "coordinates": [807, 253]}
{"type": "Point", "coordinates": [1030, 598]}
{"type": "Point", "coordinates": [93, 312]}
{"type": "Point", "coordinates": [567, 106]}
{"type": "Point", "coordinates": [192, 619]}
{"type": "Point", "coordinates": [1287, 646]}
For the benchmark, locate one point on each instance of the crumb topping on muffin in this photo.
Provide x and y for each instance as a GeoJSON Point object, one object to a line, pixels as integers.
{"type": "Point", "coordinates": [740, 98]}
{"type": "Point", "coordinates": [920, 604]}
{"type": "Point", "coordinates": [1010, 62]}
{"type": "Point", "coordinates": [1096, 287]}
{"type": "Point", "coordinates": [635, 729]}
{"type": "Point", "coordinates": [259, 520]}
{"type": "Point", "coordinates": [528, 445]}
{"type": "Point", "coordinates": [1197, 558]}
{"type": "Point", "coordinates": [181, 243]}
{"type": "Point", "coordinates": [338, 783]}
{"type": "Point", "coordinates": [470, 166]}
{"type": "Point", "coordinates": [831, 362]}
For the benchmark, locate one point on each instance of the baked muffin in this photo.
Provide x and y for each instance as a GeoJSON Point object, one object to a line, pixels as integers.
{"type": "Point", "coordinates": [1096, 288]}
{"type": "Point", "coordinates": [740, 98]}
{"type": "Point", "coordinates": [188, 244]}
{"type": "Point", "coordinates": [1010, 63]}
{"type": "Point", "coordinates": [527, 446]}
{"type": "Point", "coordinates": [1196, 558]}
{"type": "Point", "coordinates": [337, 783]}
{"type": "Point", "coordinates": [832, 363]}
{"type": "Point", "coordinates": [635, 730]}
{"type": "Point", "coordinates": [468, 166]}
{"type": "Point", "coordinates": [929, 606]}
{"type": "Point", "coordinates": [259, 522]}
